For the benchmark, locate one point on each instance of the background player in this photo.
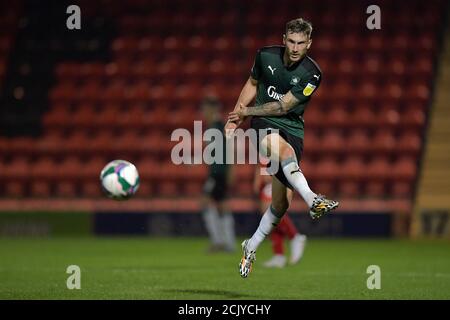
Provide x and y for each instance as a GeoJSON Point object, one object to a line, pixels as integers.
{"type": "Point", "coordinates": [286, 229]}
{"type": "Point", "coordinates": [282, 79]}
{"type": "Point", "coordinates": [218, 219]}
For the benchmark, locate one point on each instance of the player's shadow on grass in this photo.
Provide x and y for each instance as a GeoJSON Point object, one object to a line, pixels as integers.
{"type": "Point", "coordinates": [221, 293]}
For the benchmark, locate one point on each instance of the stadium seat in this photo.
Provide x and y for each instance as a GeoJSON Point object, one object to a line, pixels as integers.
{"type": "Point", "coordinates": [333, 142]}
{"type": "Point", "coordinates": [146, 189]}
{"type": "Point", "coordinates": [404, 169]}
{"type": "Point", "coordinates": [413, 119]}
{"type": "Point", "coordinates": [358, 142]}
{"type": "Point", "coordinates": [91, 188]}
{"type": "Point", "coordinates": [338, 117]}
{"type": "Point", "coordinates": [65, 189]}
{"type": "Point", "coordinates": [43, 169]}
{"type": "Point", "coordinates": [383, 142]}
{"type": "Point", "coordinates": [409, 143]}
{"type": "Point", "coordinates": [15, 188]}
{"type": "Point", "coordinates": [21, 146]}
{"type": "Point", "coordinates": [353, 169]}
{"type": "Point", "coordinates": [193, 188]}
{"type": "Point", "coordinates": [17, 168]}
{"type": "Point", "coordinates": [375, 189]}
{"type": "Point", "coordinates": [378, 169]}
{"type": "Point", "coordinates": [401, 189]}
{"type": "Point", "coordinates": [363, 116]}
{"type": "Point", "coordinates": [388, 118]}
{"type": "Point", "coordinates": [69, 169]}
{"type": "Point", "coordinates": [327, 169]}
{"type": "Point", "coordinates": [40, 188]}
{"type": "Point", "coordinates": [167, 189]}
{"type": "Point", "coordinates": [349, 189]}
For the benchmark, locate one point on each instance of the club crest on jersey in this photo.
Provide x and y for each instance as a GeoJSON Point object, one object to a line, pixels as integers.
{"type": "Point", "coordinates": [309, 89]}
{"type": "Point", "coordinates": [295, 80]}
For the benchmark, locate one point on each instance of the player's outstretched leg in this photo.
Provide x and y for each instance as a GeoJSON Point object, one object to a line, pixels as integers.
{"type": "Point", "coordinates": [282, 152]}
{"type": "Point", "coordinates": [321, 206]}
{"type": "Point", "coordinates": [318, 204]}
{"type": "Point", "coordinates": [268, 222]}
{"type": "Point", "coordinates": [249, 256]}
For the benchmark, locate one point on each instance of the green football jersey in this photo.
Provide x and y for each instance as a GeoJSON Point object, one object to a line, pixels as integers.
{"type": "Point", "coordinates": [275, 80]}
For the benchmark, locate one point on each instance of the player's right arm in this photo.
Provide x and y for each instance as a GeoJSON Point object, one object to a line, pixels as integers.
{"type": "Point", "coordinates": [248, 93]}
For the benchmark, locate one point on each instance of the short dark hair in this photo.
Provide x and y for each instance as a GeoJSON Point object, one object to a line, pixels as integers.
{"type": "Point", "coordinates": [299, 25]}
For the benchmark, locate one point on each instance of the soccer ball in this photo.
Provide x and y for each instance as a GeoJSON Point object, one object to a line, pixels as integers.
{"type": "Point", "coordinates": [119, 179]}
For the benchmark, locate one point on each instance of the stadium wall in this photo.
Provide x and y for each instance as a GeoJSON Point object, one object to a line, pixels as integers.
{"type": "Point", "coordinates": [342, 224]}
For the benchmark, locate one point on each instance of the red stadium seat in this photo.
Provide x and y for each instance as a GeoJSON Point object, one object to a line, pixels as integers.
{"type": "Point", "coordinates": [56, 118]}
{"type": "Point", "coordinates": [413, 119]}
{"type": "Point", "coordinates": [65, 189]}
{"type": "Point", "coordinates": [95, 71]}
{"type": "Point", "coordinates": [146, 189]}
{"type": "Point", "coordinates": [83, 116]}
{"type": "Point", "coordinates": [40, 188]}
{"type": "Point", "coordinates": [350, 189]}
{"type": "Point", "coordinates": [77, 142]}
{"type": "Point", "coordinates": [107, 117]}
{"type": "Point", "coordinates": [358, 142]}
{"type": "Point", "coordinates": [15, 189]}
{"type": "Point", "coordinates": [114, 91]}
{"type": "Point", "coordinates": [353, 169]}
{"type": "Point", "coordinates": [388, 118]}
{"type": "Point", "coordinates": [338, 117]}
{"type": "Point", "coordinates": [100, 144]}
{"type": "Point", "coordinates": [21, 146]}
{"type": "Point", "coordinates": [168, 189]}
{"type": "Point", "coordinates": [192, 188]}
{"type": "Point", "coordinates": [378, 169]}
{"type": "Point", "coordinates": [17, 168]}
{"type": "Point", "coordinates": [69, 169]}
{"type": "Point", "coordinates": [375, 189]}
{"type": "Point", "coordinates": [91, 188]}
{"type": "Point", "coordinates": [242, 189]}
{"type": "Point", "coordinates": [404, 169]}
{"type": "Point", "coordinates": [333, 141]}
{"type": "Point", "coordinates": [124, 46]}
{"type": "Point", "coordinates": [139, 92]}
{"type": "Point", "coordinates": [43, 169]}
{"type": "Point", "coordinates": [311, 143]}
{"type": "Point", "coordinates": [409, 143]}
{"type": "Point", "coordinates": [383, 142]}
{"type": "Point", "coordinates": [63, 92]}
{"type": "Point", "coordinates": [91, 168]}
{"type": "Point", "coordinates": [328, 169]}
{"type": "Point", "coordinates": [363, 116]}
{"type": "Point", "coordinates": [418, 92]}
{"type": "Point", "coordinates": [313, 117]}
{"type": "Point", "coordinates": [401, 189]}
{"type": "Point", "coordinates": [145, 69]}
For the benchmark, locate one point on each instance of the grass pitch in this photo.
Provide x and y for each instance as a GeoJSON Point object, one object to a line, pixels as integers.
{"type": "Point", "coordinates": [178, 268]}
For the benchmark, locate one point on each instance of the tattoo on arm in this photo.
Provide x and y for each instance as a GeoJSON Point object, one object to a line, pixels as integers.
{"type": "Point", "coordinates": [275, 108]}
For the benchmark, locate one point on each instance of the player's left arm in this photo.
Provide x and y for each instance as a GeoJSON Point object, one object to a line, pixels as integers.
{"type": "Point", "coordinates": [275, 108]}
{"type": "Point", "coordinates": [299, 94]}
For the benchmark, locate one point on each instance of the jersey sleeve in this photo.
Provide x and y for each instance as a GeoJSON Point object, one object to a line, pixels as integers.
{"type": "Point", "coordinates": [306, 86]}
{"type": "Point", "coordinates": [256, 69]}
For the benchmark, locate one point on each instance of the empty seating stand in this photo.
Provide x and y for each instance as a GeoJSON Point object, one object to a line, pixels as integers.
{"type": "Point", "coordinates": [363, 127]}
